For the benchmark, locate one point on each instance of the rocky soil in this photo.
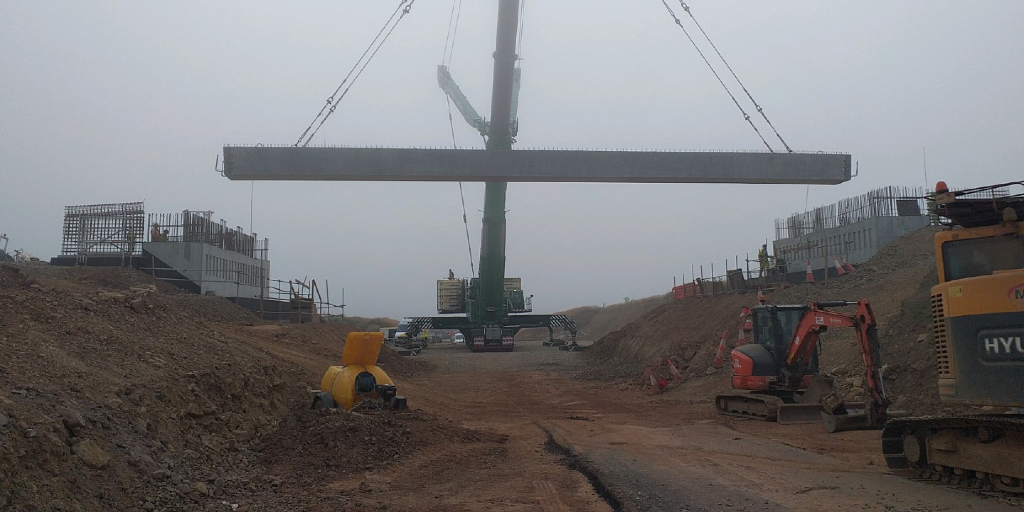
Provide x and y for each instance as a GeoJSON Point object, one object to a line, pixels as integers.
{"type": "Point", "coordinates": [897, 281]}
{"type": "Point", "coordinates": [120, 393]}
{"type": "Point", "coordinates": [594, 322]}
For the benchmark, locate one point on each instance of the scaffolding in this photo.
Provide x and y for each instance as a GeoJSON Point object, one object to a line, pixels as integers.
{"type": "Point", "coordinates": [114, 229]}
{"type": "Point", "coordinates": [308, 304]}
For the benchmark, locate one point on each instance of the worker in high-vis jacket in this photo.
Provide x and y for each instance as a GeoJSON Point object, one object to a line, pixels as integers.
{"type": "Point", "coordinates": [762, 258]}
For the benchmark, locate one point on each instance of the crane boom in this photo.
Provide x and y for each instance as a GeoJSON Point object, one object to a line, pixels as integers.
{"type": "Point", "coordinates": [450, 88]}
{"type": "Point", "coordinates": [472, 117]}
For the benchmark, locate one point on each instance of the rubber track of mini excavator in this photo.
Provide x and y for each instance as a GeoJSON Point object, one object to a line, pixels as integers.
{"type": "Point", "coordinates": [748, 405]}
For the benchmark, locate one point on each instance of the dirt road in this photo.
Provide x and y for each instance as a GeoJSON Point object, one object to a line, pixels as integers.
{"type": "Point", "coordinates": [620, 449]}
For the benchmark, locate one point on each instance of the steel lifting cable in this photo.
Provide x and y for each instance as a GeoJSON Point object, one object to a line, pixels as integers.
{"type": "Point", "coordinates": [462, 195]}
{"type": "Point", "coordinates": [752, 100]}
{"type": "Point", "coordinates": [453, 32]}
{"type": "Point", "coordinates": [405, 6]}
{"type": "Point", "coordinates": [746, 117]}
{"type": "Point", "coordinates": [522, 25]}
{"type": "Point", "coordinates": [330, 100]}
{"type": "Point", "coordinates": [469, 243]}
{"type": "Point", "coordinates": [446, 59]}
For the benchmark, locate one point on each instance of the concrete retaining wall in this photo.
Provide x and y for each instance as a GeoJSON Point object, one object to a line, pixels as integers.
{"type": "Point", "coordinates": [857, 242]}
{"type": "Point", "coordinates": [216, 271]}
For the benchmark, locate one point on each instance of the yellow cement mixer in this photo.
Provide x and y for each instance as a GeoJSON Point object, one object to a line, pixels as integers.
{"type": "Point", "coordinates": [358, 384]}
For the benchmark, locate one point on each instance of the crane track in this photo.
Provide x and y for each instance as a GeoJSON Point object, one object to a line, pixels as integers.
{"type": "Point", "coordinates": [893, 449]}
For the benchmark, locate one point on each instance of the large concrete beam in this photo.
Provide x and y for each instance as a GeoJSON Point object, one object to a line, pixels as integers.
{"type": "Point", "coordinates": [409, 164]}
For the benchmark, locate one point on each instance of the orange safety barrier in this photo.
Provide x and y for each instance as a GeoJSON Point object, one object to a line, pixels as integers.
{"type": "Point", "coordinates": [686, 290]}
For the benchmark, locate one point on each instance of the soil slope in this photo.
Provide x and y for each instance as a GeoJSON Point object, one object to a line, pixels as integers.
{"type": "Point", "coordinates": [896, 281]}
{"type": "Point", "coordinates": [120, 393]}
{"type": "Point", "coordinates": [594, 322]}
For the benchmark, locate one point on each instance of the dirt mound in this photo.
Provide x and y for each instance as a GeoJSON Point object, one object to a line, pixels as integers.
{"type": "Point", "coordinates": [896, 281]}
{"type": "Point", "coordinates": [211, 309]}
{"type": "Point", "coordinates": [316, 346]}
{"type": "Point", "coordinates": [114, 278]}
{"type": "Point", "coordinates": [139, 399]}
{"type": "Point", "coordinates": [11, 277]}
{"type": "Point", "coordinates": [347, 443]}
{"type": "Point", "coordinates": [366, 324]}
{"type": "Point", "coordinates": [594, 322]}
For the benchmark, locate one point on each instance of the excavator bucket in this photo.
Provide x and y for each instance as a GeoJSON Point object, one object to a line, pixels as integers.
{"type": "Point", "coordinates": [818, 390]}
{"type": "Point", "coordinates": [858, 416]}
{"type": "Point", "coordinates": [853, 417]}
{"type": "Point", "coordinates": [794, 414]}
{"type": "Point", "coordinates": [811, 406]}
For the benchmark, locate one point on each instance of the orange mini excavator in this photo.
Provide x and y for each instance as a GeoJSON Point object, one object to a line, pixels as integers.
{"type": "Point", "coordinates": [780, 368]}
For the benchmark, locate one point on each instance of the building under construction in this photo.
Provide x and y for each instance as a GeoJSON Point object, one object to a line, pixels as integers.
{"type": "Point", "coordinates": [190, 250]}
{"type": "Point", "coordinates": [853, 230]}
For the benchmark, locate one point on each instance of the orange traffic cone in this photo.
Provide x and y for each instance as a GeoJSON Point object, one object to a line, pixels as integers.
{"type": "Point", "coordinates": [720, 355]}
{"type": "Point", "coordinates": [654, 384]}
{"type": "Point", "coordinates": [675, 371]}
{"type": "Point", "coordinates": [746, 331]}
{"type": "Point", "coordinates": [849, 268]}
{"type": "Point", "coordinates": [839, 268]}
{"type": "Point", "coordinates": [810, 273]}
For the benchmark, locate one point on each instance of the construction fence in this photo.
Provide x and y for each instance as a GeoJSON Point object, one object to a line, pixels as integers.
{"type": "Point", "coordinates": [737, 276]}
{"type": "Point", "coordinates": [309, 304]}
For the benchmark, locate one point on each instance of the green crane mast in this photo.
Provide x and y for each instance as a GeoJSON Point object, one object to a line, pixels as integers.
{"type": "Point", "coordinates": [487, 301]}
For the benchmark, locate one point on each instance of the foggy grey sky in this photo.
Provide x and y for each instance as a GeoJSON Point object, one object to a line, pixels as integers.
{"type": "Point", "coordinates": [123, 100]}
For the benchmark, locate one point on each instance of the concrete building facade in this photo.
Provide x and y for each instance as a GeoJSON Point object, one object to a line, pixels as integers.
{"type": "Point", "coordinates": [215, 271]}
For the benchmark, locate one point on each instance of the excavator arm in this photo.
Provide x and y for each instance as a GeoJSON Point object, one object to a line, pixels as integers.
{"type": "Point", "coordinates": [804, 344]}
{"type": "Point", "coordinates": [805, 339]}
{"type": "Point", "coordinates": [867, 338]}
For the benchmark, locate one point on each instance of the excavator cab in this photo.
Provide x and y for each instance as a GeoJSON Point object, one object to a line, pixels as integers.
{"type": "Point", "coordinates": [774, 327]}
